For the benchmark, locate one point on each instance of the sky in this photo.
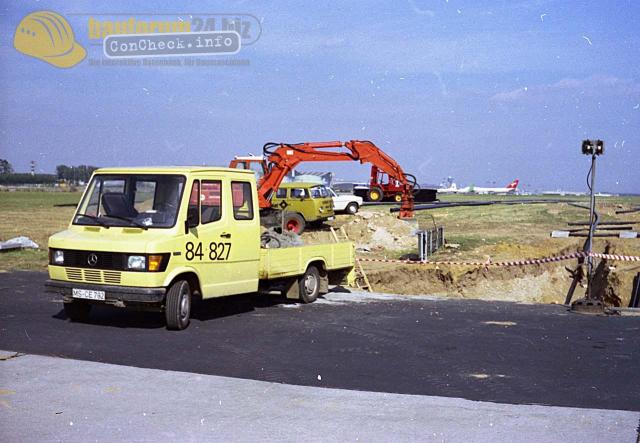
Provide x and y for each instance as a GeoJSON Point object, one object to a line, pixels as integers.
{"type": "Point", "coordinates": [481, 91]}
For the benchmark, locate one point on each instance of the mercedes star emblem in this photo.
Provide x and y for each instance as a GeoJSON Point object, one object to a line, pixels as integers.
{"type": "Point", "coordinates": [92, 259]}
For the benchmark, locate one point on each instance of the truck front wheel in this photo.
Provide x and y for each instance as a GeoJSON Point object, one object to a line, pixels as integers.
{"type": "Point", "coordinates": [77, 310]}
{"type": "Point", "coordinates": [177, 308]}
{"type": "Point", "coordinates": [309, 285]}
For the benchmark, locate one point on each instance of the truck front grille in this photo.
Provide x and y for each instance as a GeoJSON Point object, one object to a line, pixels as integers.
{"type": "Point", "coordinates": [112, 278]}
{"type": "Point", "coordinates": [74, 274]}
{"type": "Point", "coordinates": [101, 260]}
{"type": "Point", "coordinates": [94, 276]}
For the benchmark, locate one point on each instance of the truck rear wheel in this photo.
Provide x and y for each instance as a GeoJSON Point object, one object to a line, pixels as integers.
{"type": "Point", "coordinates": [397, 198]}
{"type": "Point", "coordinates": [294, 222]}
{"type": "Point", "coordinates": [77, 310]}
{"type": "Point", "coordinates": [352, 208]}
{"type": "Point", "coordinates": [177, 307]}
{"type": "Point", "coordinates": [375, 194]}
{"type": "Point", "coordinates": [309, 284]}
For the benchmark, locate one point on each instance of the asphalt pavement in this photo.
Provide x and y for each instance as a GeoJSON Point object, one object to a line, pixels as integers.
{"type": "Point", "coordinates": [484, 351]}
{"type": "Point", "coordinates": [54, 399]}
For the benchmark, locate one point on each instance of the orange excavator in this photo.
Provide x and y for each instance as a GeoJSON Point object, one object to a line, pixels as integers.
{"type": "Point", "coordinates": [387, 177]}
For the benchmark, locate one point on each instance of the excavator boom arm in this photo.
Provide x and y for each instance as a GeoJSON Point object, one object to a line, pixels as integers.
{"type": "Point", "coordinates": [282, 158]}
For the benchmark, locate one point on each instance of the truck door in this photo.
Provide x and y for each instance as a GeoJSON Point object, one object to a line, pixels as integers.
{"type": "Point", "coordinates": [209, 246]}
{"type": "Point", "coordinates": [244, 256]}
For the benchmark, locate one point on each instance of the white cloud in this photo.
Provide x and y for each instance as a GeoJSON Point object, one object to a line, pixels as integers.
{"type": "Point", "coordinates": [420, 10]}
{"type": "Point", "coordinates": [590, 86]}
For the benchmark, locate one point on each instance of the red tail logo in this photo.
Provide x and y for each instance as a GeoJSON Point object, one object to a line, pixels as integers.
{"type": "Point", "coordinates": [513, 184]}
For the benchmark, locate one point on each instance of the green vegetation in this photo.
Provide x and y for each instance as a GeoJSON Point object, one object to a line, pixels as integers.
{"type": "Point", "coordinates": [519, 231]}
{"type": "Point", "coordinates": [501, 231]}
{"type": "Point", "coordinates": [27, 179]}
{"type": "Point", "coordinates": [33, 214]}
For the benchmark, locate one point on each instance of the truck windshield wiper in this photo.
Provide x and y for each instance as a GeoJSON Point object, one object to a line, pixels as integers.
{"type": "Point", "coordinates": [130, 220]}
{"type": "Point", "coordinates": [96, 219]}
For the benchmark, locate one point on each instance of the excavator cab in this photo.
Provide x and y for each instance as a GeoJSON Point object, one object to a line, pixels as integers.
{"type": "Point", "coordinates": [253, 162]}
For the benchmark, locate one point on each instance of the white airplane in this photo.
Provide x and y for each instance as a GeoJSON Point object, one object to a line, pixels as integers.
{"type": "Point", "coordinates": [564, 193]}
{"type": "Point", "coordinates": [448, 186]}
{"type": "Point", "coordinates": [509, 189]}
{"type": "Point", "coordinates": [452, 189]}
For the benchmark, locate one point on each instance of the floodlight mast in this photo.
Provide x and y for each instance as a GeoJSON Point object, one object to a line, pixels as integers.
{"type": "Point", "coordinates": [592, 148]}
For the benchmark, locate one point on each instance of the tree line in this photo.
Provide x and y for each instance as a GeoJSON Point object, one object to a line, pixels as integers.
{"type": "Point", "coordinates": [75, 174]}
{"type": "Point", "coordinates": [69, 174]}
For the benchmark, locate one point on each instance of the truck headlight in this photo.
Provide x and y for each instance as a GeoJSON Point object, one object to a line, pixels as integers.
{"type": "Point", "coordinates": [137, 262]}
{"type": "Point", "coordinates": [58, 257]}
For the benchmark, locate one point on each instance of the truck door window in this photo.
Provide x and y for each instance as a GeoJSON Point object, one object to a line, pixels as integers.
{"type": "Point", "coordinates": [281, 193]}
{"type": "Point", "coordinates": [210, 201]}
{"type": "Point", "coordinates": [297, 193]}
{"type": "Point", "coordinates": [192, 210]}
{"type": "Point", "coordinates": [242, 200]}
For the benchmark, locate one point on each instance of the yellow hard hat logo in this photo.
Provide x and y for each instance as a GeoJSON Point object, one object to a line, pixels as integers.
{"type": "Point", "coordinates": [48, 36]}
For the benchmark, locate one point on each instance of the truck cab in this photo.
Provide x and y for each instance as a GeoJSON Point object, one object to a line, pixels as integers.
{"type": "Point", "coordinates": [311, 201]}
{"type": "Point", "coordinates": [152, 238]}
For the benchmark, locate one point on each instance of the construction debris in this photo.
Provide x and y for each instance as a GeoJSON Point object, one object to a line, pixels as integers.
{"type": "Point", "coordinates": [376, 231]}
{"type": "Point", "coordinates": [286, 239]}
{"type": "Point", "coordinates": [18, 243]}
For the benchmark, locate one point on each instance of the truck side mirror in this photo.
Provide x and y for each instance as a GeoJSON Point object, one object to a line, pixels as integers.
{"type": "Point", "coordinates": [192, 219]}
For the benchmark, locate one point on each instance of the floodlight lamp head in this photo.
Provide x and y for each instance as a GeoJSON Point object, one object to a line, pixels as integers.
{"type": "Point", "coordinates": [592, 147]}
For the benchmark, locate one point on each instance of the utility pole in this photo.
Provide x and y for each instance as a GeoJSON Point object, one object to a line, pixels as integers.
{"type": "Point", "coordinates": [591, 303]}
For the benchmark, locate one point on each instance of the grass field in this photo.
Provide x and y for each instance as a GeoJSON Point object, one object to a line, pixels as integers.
{"type": "Point", "coordinates": [507, 233]}
{"type": "Point", "coordinates": [528, 224]}
{"type": "Point", "coordinates": [503, 232]}
{"type": "Point", "coordinates": [512, 230]}
{"type": "Point", "coordinates": [33, 214]}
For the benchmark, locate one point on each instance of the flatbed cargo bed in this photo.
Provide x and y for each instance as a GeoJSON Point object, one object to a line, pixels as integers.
{"type": "Point", "coordinates": [288, 262]}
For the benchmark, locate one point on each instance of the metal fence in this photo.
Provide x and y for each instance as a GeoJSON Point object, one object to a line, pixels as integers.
{"type": "Point", "coordinates": [429, 241]}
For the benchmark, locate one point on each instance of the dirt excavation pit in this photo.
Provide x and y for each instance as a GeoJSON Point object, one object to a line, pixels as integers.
{"type": "Point", "coordinates": [379, 234]}
{"type": "Point", "coordinates": [545, 283]}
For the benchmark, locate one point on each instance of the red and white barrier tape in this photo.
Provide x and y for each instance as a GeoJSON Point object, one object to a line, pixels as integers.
{"type": "Point", "coordinates": [615, 257]}
{"type": "Point", "coordinates": [531, 261]}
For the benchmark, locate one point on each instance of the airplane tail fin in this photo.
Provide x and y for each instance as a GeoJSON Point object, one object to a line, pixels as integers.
{"type": "Point", "coordinates": [513, 184]}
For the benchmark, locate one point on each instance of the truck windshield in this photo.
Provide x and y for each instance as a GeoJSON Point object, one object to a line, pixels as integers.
{"type": "Point", "coordinates": [148, 201]}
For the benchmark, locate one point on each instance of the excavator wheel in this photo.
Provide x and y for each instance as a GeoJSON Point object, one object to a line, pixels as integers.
{"type": "Point", "coordinates": [375, 194]}
{"type": "Point", "coordinates": [397, 198]}
{"type": "Point", "coordinates": [294, 222]}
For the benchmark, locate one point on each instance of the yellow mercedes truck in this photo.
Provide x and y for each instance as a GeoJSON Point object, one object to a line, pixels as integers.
{"type": "Point", "coordinates": [155, 238]}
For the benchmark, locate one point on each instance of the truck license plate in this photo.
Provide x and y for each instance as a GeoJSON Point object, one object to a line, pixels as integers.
{"type": "Point", "coordinates": [88, 294]}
